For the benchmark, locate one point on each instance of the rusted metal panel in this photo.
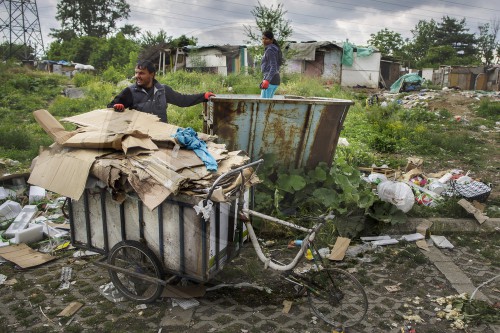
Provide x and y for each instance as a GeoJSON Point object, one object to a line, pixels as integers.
{"type": "Point", "coordinates": [302, 132]}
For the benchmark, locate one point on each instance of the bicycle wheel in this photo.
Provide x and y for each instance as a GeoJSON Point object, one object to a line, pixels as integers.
{"type": "Point", "coordinates": [337, 297]}
{"type": "Point", "coordinates": [135, 257]}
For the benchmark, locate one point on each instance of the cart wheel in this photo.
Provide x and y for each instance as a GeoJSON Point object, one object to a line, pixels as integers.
{"type": "Point", "coordinates": [135, 257]}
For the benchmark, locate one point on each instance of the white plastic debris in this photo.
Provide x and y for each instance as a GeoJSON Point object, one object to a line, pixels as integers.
{"type": "Point", "coordinates": [397, 193]}
{"type": "Point", "coordinates": [36, 194]}
{"type": "Point", "coordinates": [22, 220]}
{"type": "Point", "coordinates": [441, 242]}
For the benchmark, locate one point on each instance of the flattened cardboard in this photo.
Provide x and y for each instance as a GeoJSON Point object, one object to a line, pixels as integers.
{"type": "Point", "coordinates": [24, 256]}
{"type": "Point", "coordinates": [339, 248]}
{"type": "Point", "coordinates": [108, 120]}
{"type": "Point", "coordinates": [480, 217]}
{"type": "Point", "coordinates": [70, 310]}
{"type": "Point", "coordinates": [53, 127]}
{"type": "Point", "coordinates": [63, 170]}
{"type": "Point", "coordinates": [287, 305]}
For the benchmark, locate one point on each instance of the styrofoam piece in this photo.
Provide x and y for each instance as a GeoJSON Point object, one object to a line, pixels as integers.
{"type": "Point", "coordinates": [385, 242]}
{"type": "Point", "coordinates": [375, 238]}
{"type": "Point", "coordinates": [52, 232]}
{"type": "Point", "coordinates": [22, 220]}
{"type": "Point", "coordinates": [412, 237]}
{"type": "Point", "coordinates": [33, 233]}
{"type": "Point", "coordinates": [9, 210]}
{"type": "Point", "coordinates": [37, 193]}
{"type": "Point", "coordinates": [441, 242]}
{"type": "Point", "coordinates": [6, 193]}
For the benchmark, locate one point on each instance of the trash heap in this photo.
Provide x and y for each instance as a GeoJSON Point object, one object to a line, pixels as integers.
{"type": "Point", "coordinates": [405, 188]}
{"type": "Point", "coordinates": [133, 151]}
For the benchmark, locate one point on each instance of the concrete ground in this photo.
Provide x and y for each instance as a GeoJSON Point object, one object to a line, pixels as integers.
{"type": "Point", "coordinates": [30, 300]}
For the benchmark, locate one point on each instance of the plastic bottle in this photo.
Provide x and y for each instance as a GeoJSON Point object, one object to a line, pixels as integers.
{"type": "Point", "coordinates": [309, 255]}
{"type": "Point", "coordinates": [445, 178]}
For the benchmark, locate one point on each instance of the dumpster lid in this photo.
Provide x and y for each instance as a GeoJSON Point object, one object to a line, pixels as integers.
{"type": "Point", "coordinates": [282, 99]}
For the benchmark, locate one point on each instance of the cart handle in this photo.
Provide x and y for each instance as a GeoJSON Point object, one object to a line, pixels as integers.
{"type": "Point", "coordinates": [227, 174]}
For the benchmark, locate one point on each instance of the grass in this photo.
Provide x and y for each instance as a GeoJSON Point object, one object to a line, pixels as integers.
{"type": "Point", "coordinates": [377, 135]}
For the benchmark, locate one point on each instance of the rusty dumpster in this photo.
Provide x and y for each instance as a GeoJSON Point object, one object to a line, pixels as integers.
{"type": "Point", "coordinates": [301, 131]}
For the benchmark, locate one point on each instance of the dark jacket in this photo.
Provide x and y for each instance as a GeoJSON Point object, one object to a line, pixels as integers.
{"type": "Point", "coordinates": [270, 65]}
{"type": "Point", "coordinates": [156, 100]}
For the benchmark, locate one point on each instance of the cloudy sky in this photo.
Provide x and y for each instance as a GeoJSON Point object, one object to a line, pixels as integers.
{"type": "Point", "coordinates": [221, 22]}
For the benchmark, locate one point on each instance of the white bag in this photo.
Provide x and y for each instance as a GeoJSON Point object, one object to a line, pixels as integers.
{"type": "Point", "coordinates": [397, 193]}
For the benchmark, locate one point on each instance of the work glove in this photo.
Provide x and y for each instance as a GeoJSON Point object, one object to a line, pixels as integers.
{"type": "Point", "coordinates": [208, 94]}
{"type": "Point", "coordinates": [264, 84]}
{"type": "Point", "coordinates": [119, 107]}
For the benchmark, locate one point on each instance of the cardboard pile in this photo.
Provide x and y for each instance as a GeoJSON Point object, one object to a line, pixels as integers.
{"type": "Point", "coordinates": [127, 152]}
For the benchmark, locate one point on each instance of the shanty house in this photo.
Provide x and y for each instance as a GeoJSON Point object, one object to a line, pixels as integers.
{"type": "Point", "coordinates": [315, 59]}
{"type": "Point", "coordinates": [216, 59]}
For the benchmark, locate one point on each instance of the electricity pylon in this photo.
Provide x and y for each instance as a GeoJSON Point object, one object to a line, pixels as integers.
{"type": "Point", "coordinates": [20, 30]}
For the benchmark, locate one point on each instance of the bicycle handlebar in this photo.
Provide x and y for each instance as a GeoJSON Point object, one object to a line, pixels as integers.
{"type": "Point", "coordinates": [227, 174]}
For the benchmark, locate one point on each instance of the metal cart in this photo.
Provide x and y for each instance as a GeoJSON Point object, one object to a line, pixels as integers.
{"type": "Point", "coordinates": [147, 249]}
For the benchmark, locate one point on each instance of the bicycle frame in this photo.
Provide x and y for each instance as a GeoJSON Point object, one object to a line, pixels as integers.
{"type": "Point", "coordinates": [305, 242]}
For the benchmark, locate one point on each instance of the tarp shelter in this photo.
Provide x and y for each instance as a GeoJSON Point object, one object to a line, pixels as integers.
{"type": "Point", "coordinates": [407, 82]}
{"type": "Point", "coordinates": [360, 66]}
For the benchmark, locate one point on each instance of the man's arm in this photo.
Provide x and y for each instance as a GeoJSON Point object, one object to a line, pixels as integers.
{"type": "Point", "coordinates": [125, 98]}
{"type": "Point", "coordinates": [183, 100]}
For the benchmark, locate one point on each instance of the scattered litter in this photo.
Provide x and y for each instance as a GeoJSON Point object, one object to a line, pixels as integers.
{"type": "Point", "coordinates": [36, 194]}
{"type": "Point", "coordinates": [339, 249]}
{"type": "Point", "coordinates": [21, 221]}
{"type": "Point", "coordinates": [293, 243]}
{"type": "Point", "coordinates": [240, 285]}
{"type": "Point", "coordinates": [65, 278]}
{"type": "Point", "coordinates": [397, 193]}
{"type": "Point", "coordinates": [185, 304]}
{"type": "Point", "coordinates": [356, 250]}
{"type": "Point", "coordinates": [10, 282]}
{"type": "Point", "coordinates": [84, 253]}
{"type": "Point", "coordinates": [374, 238]}
{"type": "Point", "coordinates": [3, 278]}
{"type": "Point", "coordinates": [480, 217]}
{"type": "Point", "coordinates": [70, 310]}
{"type": "Point", "coordinates": [385, 242]}
{"type": "Point", "coordinates": [414, 318]}
{"type": "Point", "coordinates": [393, 288]}
{"type": "Point", "coordinates": [287, 305]}
{"type": "Point", "coordinates": [324, 252]}
{"type": "Point", "coordinates": [24, 256]}
{"type": "Point", "coordinates": [6, 193]}
{"type": "Point", "coordinates": [412, 237]}
{"type": "Point", "coordinates": [141, 307]}
{"type": "Point", "coordinates": [111, 293]}
{"type": "Point", "coordinates": [442, 242]}
{"type": "Point", "coordinates": [31, 234]}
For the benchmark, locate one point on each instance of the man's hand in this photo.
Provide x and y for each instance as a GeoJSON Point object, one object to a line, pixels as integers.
{"type": "Point", "coordinates": [208, 94]}
{"type": "Point", "coordinates": [119, 107]}
{"type": "Point", "coordinates": [264, 84]}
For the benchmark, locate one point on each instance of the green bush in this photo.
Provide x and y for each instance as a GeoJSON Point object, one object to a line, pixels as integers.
{"type": "Point", "coordinates": [489, 109]}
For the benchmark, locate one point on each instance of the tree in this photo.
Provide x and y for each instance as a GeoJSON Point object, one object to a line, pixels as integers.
{"type": "Point", "coordinates": [149, 39]}
{"type": "Point", "coordinates": [130, 30]}
{"type": "Point", "coordinates": [269, 18]}
{"type": "Point", "coordinates": [452, 32]}
{"type": "Point", "coordinates": [486, 41]}
{"type": "Point", "coordinates": [183, 40]}
{"type": "Point", "coordinates": [94, 18]}
{"type": "Point", "coordinates": [423, 39]}
{"type": "Point", "coordinates": [387, 42]}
